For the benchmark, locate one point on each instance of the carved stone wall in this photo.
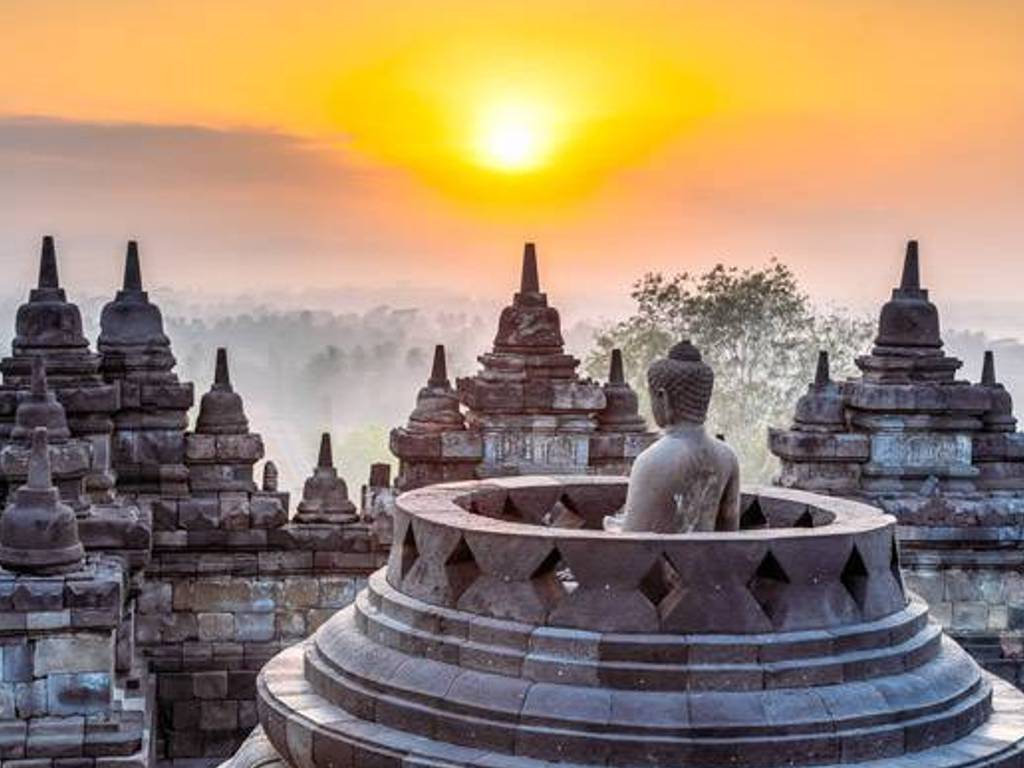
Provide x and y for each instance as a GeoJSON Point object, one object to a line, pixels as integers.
{"type": "Point", "coordinates": [211, 615]}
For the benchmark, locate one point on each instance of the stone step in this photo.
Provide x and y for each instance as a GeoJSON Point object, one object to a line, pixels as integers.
{"type": "Point", "coordinates": [308, 729]}
{"type": "Point", "coordinates": [551, 655]}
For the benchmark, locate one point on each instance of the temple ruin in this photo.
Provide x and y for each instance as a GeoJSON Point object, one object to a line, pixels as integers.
{"type": "Point", "coordinates": [163, 603]}
{"type": "Point", "coordinates": [527, 411]}
{"type": "Point", "coordinates": [941, 454]}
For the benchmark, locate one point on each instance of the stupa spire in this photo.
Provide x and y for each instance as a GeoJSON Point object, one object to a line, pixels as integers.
{"type": "Point", "coordinates": [530, 281]}
{"type": "Point", "coordinates": [911, 279]}
{"type": "Point", "coordinates": [439, 371]}
{"type": "Point", "coordinates": [822, 375]}
{"type": "Point", "coordinates": [38, 376]}
{"type": "Point", "coordinates": [132, 270]}
{"type": "Point", "coordinates": [988, 369]}
{"type": "Point", "coordinates": [325, 460]}
{"type": "Point", "coordinates": [616, 374]}
{"type": "Point", "coordinates": [221, 375]}
{"type": "Point", "coordinates": [40, 477]}
{"type": "Point", "coordinates": [48, 264]}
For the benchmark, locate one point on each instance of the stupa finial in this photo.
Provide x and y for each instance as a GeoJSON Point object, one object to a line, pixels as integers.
{"type": "Point", "coordinates": [616, 374]}
{"type": "Point", "coordinates": [439, 371]}
{"type": "Point", "coordinates": [911, 280]}
{"type": "Point", "coordinates": [221, 376]}
{"type": "Point", "coordinates": [48, 264]}
{"type": "Point", "coordinates": [988, 369]}
{"type": "Point", "coordinates": [325, 460]}
{"type": "Point", "coordinates": [39, 476]}
{"type": "Point", "coordinates": [530, 281]}
{"type": "Point", "coordinates": [270, 477]}
{"type": "Point", "coordinates": [38, 376]}
{"type": "Point", "coordinates": [822, 375]}
{"type": "Point", "coordinates": [132, 270]}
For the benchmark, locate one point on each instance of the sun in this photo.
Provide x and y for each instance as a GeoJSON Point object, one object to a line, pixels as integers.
{"type": "Point", "coordinates": [513, 136]}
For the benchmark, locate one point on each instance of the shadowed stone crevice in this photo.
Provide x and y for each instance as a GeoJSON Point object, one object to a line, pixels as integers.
{"type": "Point", "coordinates": [855, 578]}
{"type": "Point", "coordinates": [753, 517]}
{"type": "Point", "coordinates": [663, 586]}
{"type": "Point", "coordinates": [767, 585]}
{"type": "Point", "coordinates": [461, 569]}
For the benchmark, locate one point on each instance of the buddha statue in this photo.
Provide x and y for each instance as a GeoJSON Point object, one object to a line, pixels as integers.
{"type": "Point", "coordinates": [687, 481]}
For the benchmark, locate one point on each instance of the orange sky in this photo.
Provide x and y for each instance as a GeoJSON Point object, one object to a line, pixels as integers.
{"type": "Point", "coordinates": [256, 144]}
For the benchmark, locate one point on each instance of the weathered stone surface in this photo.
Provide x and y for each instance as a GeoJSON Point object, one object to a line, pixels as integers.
{"type": "Point", "coordinates": [482, 644]}
{"type": "Point", "coordinates": [527, 410]}
{"type": "Point", "coordinates": [940, 454]}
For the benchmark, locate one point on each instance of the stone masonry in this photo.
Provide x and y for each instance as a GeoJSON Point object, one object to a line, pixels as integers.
{"type": "Point", "coordinates": [941, 454]}
{"type": "Point", "coordinates": [193, 576]}
{"type": "Point", "coordinates": [527, 411]}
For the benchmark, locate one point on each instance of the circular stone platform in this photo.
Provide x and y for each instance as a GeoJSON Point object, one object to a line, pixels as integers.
{"type": "Point", "coordinates": [507, 629]}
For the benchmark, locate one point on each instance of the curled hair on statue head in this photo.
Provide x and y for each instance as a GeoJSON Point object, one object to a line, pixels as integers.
{"type": "Point", "coordinates": [686, 380]}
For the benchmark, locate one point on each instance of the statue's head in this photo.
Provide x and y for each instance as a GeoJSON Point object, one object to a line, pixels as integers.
{"type": "Point", "coordinates": [680, 386]}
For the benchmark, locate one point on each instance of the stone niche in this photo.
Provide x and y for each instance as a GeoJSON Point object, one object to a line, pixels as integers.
{"type": "Point", "coordinates": [494, 638]}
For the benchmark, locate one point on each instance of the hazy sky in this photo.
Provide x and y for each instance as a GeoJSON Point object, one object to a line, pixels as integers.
{"type": "Point", "coordinates": [259, 145]}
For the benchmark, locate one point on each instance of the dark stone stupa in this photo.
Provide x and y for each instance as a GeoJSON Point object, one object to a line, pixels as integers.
{"type": "Point", "coordinates": [38, 533]}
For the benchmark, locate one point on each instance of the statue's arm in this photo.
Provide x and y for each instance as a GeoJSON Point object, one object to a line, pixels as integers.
{"type": "Point", "coordinates": [649, 498]}
{"type": "Point", "coordinates": [729, 509]}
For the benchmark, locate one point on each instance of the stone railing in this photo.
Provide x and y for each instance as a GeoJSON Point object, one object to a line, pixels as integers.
{"type": "Point", "coordinates": [528, 550]}
{"type": "Point", "coordinates": [508, 629]}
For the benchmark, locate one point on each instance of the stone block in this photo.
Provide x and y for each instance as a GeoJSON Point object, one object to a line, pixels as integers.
{"type": "Point", "coordinates": [970, 616]}
{"type": "Point", "coordinates": [216, 626]}
{"type": "Point", "coordinates": [336, 591]}
{"type": "Point", "coordinates": [247, 715]}
{"type": "Point", "coordinates": [220, 477]}
{"type": "Point", "coordinates": [8, 701]}
{"type": "Point", "coordinates": [173, 686]}
{"type": "Point", "coordinates": [316, 618]}
{"type": "Point", "coordinates": [30, 699]}
{"type": "Point", "coordinates": [155, 597]}
{"type": "Point", "coordinates": [196, 655]}
{"type": "Point", "coordinates": [291, 625]}
{"type": "Point", "coordinates": [18, 662]}
{"type": "Point", "coordinates": [94, 593]}
{"type": "Point", "coordinates": [234, 511]}
{"type": "Point", "coordinates": [38, 595]}
{"type": "Point", "coordinates": [239, 449]}
{"type": "Point", "coordinates": [55, 737]}
{"type": "Point", "coordinates": [285, 562]}
{"type": "Point", "coordinates": [267, 511]}
{"type": "Point", "coordinates": [185, 715]}
{"type": "Point", "coordinates": [13, 734]}
{"type": "Point", "coordinates": [221, 594]}
{"type": "Point", "coordinates": [254, 627]}
{"type": "Point", "coordinates": [197, 514]}
{"type": "Point", "coordinates": [241, 685]}
{"type": "Point", "coordinates": [78, 694]}
{"type": "Point", "coordinates": [74, 653]}
{"type": "Point", "coordinates": [44, 620]}
{"type": "Point", "coordinates": [300, 592]}
{"type": "Point", "coordinates": [219, 716]}
{"type": "Point", "coordinates": [1015, 616]}
{"type": "Point", "coordinates": [997, 617]}
{"type": "Point", "coordinates": [210, 685]}
{"type": "Point", "coordinates": [200, 447]}
{"type": "Point", "coordinates": [928, 583]}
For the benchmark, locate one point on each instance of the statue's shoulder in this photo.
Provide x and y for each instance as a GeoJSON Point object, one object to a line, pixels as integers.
{"type": "Point", "coordinates": [726, 452]}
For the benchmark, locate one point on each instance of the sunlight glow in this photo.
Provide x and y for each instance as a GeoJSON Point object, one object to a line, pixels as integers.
{"type": "Point", "coordinates": [513, 137]}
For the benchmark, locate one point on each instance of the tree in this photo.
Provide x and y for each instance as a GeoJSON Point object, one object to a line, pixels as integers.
{"type": "Point", "coordinates": [759, 332]}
